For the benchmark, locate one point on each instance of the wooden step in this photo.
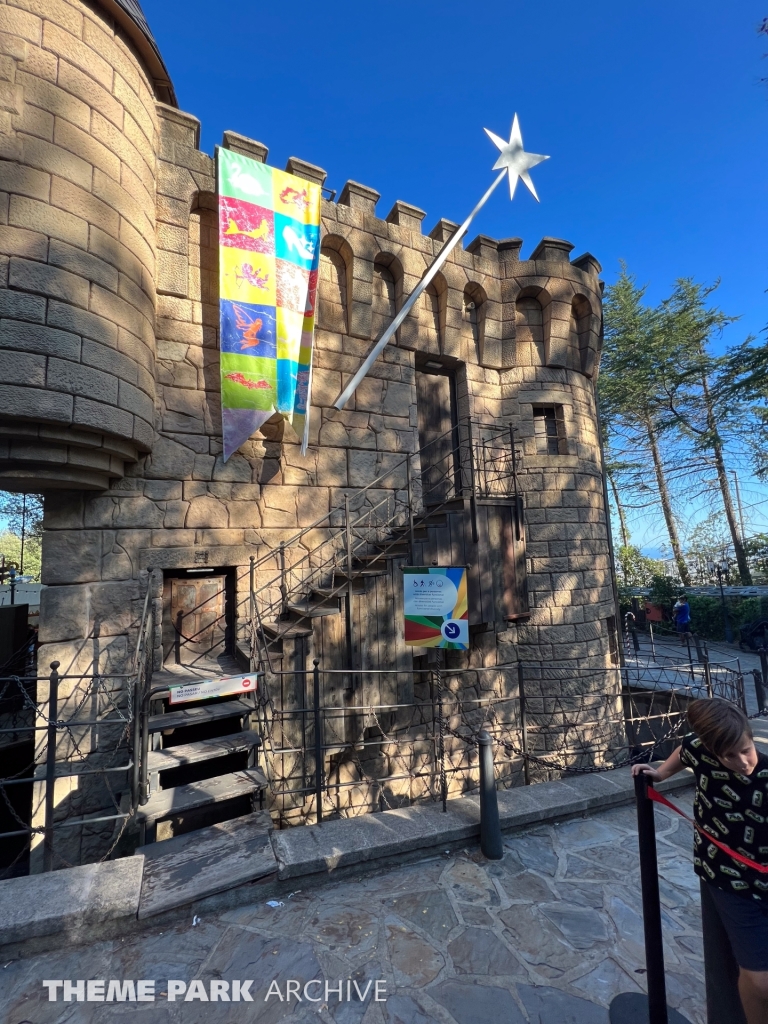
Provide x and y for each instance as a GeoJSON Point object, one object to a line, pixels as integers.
{"type": "Point", "coordinates": [285, 630]}
{"type": "Point", "coordinates": [313, 609]}
{"type": "Point", "coordinates": [238, 708]}
{"type": "Point", "coordinates": [167, 803]}
{"type": "Point", "coordinates": [362, 573]}
{"type": "Point", "coordinates": [185, 869]}
{"type": "Point", "coordinates": [205, 750]}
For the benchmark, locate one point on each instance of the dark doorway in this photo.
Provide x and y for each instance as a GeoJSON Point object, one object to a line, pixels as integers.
{"type": "Point", "coordinates": [438, 432]}
{"type": "Point", "coordinates": [198, 617]}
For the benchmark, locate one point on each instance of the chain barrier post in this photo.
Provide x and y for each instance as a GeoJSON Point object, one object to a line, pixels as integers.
{"type": "Point", "coordinates": [653, 645]}
{"type": "Point", "coordinates": [763, 663]}
{"type": "Point", "coordinates": [523, 722]}
{"type": "Point", "coordinates": [50, 765]}
{"type": "Point", "coordinates": [759, 688]}
{"type": "Point", "coordinates": [318, 739]}
{"type": "Point", "coordinates": [649, 880]}
{"type": "Point", "coordinates": [441, 731]}
{"type": "Point", "coordinates": [490, 828]}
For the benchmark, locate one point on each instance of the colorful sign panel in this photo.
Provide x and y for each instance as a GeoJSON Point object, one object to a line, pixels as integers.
{"type": "Point", "coordinates": [224, 686]}
{"type": "Point", "coordinates": [269, 252]}
{"type": "Point", "coordinates": [436, 609]}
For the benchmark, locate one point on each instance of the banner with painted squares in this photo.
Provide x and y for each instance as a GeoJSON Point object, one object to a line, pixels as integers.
{"type": "Point", "coordinates": [269, 250]}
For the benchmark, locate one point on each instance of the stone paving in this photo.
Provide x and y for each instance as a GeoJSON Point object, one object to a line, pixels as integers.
{"type": "Point", "coordinates": [548, 935]}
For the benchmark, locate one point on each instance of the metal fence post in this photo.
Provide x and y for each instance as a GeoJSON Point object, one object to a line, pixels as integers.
{"type": "Point", "coordinates": [441, 732]}
{"type": "Point", "coordinates": [653, 645]}
{"type": "Point", "coordinates": [490, 829]}
{"type": "Point", "coordinates": [763, 663]}
{"type": "Point", "coordinates": [50, 766]}
{"type": "Point", "coordinates": [759, 689]}
{"type": "Point", "coordinates": [523, 722]}
{"type": "Point", "coordinates": [318, 740]}
{"type": "Point", "coordinates": [283, 583]}
{"type": "Point", "coordinates": [411, 530]}
{"type": "Point", "coordinates": [708, 677]}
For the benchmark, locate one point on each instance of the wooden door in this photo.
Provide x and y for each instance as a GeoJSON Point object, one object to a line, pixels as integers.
{"type": "Point", "coordinates": [198, 617]}
{"type": "Point", "coordinates": [438, 435]}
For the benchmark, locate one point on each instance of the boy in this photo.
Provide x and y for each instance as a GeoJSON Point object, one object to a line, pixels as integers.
{"type": "Point", "coordinates": [681, 613]}
{"type": "Point", "coordinates": [731, 803]}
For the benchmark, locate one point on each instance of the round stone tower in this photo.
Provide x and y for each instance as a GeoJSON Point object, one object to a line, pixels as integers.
{"type": "Point", "coordinates": [78, 141]}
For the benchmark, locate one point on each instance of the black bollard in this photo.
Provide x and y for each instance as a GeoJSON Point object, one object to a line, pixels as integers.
{"type": "Point", "coordinates": [490, 829]}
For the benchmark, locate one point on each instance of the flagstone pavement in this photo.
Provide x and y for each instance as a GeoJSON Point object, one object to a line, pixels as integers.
{"type": "Point", "coordinates": [548, 935]}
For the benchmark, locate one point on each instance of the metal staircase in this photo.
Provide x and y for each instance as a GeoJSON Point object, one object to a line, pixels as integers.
{"type": "Point", "coordinates": [199, 766]}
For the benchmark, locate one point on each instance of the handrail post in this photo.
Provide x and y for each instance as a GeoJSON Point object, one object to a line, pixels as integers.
{"type": "Point", "coordinates": [318, 740]}
{"type": "Point", "coordinates": [144, 785]}
{"type": "Point", "coordinates": [472, 494]}
{"type": "Point", "coordinates": [518, 524]}
{"type": "Point", "coordinates": [708, 678]}
{"type": "Point", "coordinates": [411, 530]}
{"type": "Point", "coordinates": [523, 722]}
{"type": "Point", "coordinates": [348, 610]}
{"type": "Point", "coordinates": [50, 766]}
{"type": "Point", "coordinates": [283, 582]}
{"type": "Point", "coordinates": [252, 604]}
{"type": "Point", "coordinates": [490, 829]}
{"type": "Point", "coordinates": [649, 880]}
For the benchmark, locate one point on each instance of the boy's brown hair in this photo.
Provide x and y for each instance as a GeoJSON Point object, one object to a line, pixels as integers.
{"type": "Point", "coordinates": [718, 724]}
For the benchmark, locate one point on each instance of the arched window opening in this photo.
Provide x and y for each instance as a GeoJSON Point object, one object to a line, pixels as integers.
{"type": "Point", "coordinates": [387, 286]}
{"type": "Point", "coordinates": [529, 331]}
{"type": "Point", "coordinates": [203, 284]}
{"type": "Point", "coordinates": [473, 317]}
{"type": "Point", "coordinates": [581, 329]}
{"type": "Point", "coordinates": [332, 295]}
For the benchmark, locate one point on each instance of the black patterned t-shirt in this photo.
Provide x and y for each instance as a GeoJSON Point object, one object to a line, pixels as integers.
{"type": "Point", "coordinates": [733, 808]}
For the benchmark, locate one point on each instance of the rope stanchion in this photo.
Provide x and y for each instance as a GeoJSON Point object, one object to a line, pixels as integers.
{"type": "Point", "coordinates": [633, 1007]}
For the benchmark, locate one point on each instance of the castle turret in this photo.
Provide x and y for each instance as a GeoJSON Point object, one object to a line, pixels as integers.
{"type": "Point", "coordinates": [78, 137]}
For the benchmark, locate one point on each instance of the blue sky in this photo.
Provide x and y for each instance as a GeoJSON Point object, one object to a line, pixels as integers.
{"type": "Point", "coordinates": [653, 114]}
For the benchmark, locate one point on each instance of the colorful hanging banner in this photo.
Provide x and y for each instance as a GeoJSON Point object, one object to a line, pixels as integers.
{"type": "Point", "coordinates": [436, 608]}
{"type": "Point", "coordinates": [269, 253]}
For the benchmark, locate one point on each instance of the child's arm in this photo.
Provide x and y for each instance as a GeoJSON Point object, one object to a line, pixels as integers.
{"type": "Point", "coordinates": [671, 767]}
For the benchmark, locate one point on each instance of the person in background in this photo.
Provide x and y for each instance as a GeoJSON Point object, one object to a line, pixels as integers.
{"type": "Point", "coordinates": [681, 613]}
{"type": "Point", "coordinates": [730, 804]}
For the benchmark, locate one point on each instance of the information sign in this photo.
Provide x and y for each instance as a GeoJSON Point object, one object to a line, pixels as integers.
{"type": "Point", "coordinates": [436, 609]}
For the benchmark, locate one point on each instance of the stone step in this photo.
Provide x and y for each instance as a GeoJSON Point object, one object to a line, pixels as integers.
{"type": "Point", "coordinates": [167, 803]}
{"type": "Point", "coordinates": [205, 750]}
{"type": "Point", "coordinates": [209, 860]}
{"type": "Point", "coordinates": [238, 708]}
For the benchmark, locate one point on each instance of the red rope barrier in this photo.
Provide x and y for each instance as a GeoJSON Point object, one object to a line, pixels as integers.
{"type": "Point", "coordinates": [659, 799]}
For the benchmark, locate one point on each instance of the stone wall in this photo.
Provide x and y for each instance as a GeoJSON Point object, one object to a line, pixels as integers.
{"type": "Point", "coordinates": [78, 137]}
{"type": "Point", "coordinates": [109, 373]}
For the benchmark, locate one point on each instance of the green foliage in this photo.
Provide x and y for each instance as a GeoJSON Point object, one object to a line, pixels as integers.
{"type": "Point", "coordinates": [664, 591]}
{"type": "Point", "coordinates": [636, 569]}
{"type": "Point", "coordinates": [10, 546]}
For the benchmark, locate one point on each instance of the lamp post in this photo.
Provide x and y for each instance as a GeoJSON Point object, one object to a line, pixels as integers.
{"type": "Point", "coordinates": [720, 568]}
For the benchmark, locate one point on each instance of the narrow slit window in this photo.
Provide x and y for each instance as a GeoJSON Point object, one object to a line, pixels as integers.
{"type": "Point", "coordinates": [547, 429]}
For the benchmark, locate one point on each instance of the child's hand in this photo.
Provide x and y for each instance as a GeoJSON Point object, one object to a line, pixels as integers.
{"type": "Point", "coordinates": [644, 769]}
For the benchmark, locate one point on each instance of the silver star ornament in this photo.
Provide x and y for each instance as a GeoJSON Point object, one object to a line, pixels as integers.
{"type": "Point", "coordinates": [514, 159]}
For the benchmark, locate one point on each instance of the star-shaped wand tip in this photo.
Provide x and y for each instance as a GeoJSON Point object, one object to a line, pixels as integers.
{"type": "Point", "coordinates": [514, 159]}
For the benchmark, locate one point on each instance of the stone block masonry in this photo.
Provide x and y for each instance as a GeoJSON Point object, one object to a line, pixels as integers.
{"type": "Point", "coordinates": [109, 368]}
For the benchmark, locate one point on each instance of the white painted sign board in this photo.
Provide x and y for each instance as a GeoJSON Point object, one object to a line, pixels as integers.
{"type": "Point", "coordinates": [224, 686]}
